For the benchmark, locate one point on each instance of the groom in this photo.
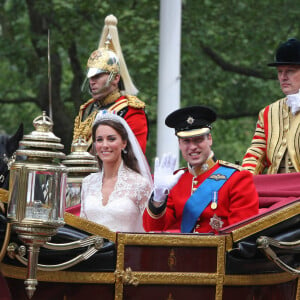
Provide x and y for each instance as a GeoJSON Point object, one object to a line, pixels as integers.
{"type": "Point", "coordinates": [206, 195]}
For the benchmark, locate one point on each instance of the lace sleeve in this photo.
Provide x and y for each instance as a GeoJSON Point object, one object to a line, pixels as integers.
{"type": "Point", "coordinates": [143, 194]}
{"type": "Point", "coordinates": [82, 197]}
{"type": "Point", "coordinates": [133, 186]}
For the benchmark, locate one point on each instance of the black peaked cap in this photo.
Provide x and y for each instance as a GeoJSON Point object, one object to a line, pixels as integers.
{"type": "Point", "coordinates": [187, 120]}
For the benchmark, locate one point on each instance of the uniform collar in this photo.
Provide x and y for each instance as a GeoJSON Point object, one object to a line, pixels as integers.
{"type": "Point", "coordinates": [198, 170]}
{"type": "Point", "coordinates": [115, 95]}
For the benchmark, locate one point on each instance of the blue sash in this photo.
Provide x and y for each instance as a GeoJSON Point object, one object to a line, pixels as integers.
{"type": "Point", "coordinates": [200, 199]}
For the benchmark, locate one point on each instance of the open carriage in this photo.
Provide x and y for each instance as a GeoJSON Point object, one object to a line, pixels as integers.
{"type": "Point", "coordinates": [258, 258]}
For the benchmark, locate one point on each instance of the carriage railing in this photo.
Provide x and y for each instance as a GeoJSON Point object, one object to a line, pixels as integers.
{"type": "Point", "coordinates": [264, 243]}
{"type": "Point", "coordinates": [95, 243]}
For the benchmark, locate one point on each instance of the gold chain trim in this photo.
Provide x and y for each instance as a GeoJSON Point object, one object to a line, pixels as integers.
{"type": "Point", "coordinates": [3, 195]}
{"type": "Point", "coordinates": [110, 98]}
{"type": "Point", "coordinates": [83, 129]}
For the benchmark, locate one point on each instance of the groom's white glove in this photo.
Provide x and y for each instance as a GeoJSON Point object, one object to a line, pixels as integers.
{"type": "Point", "coordinates": [164, 179]}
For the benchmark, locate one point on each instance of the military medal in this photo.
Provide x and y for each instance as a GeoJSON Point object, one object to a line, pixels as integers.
{"type": "Point", "coordinates": [214, 204]}
{"type": "Point", "coordinates": [216, 223]}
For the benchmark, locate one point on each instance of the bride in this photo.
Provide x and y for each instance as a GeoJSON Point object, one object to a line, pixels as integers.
{"type": "Point", "coordinates": [117, 195]}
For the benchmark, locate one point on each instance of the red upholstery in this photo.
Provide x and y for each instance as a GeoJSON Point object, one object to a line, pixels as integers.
{"type": "Point", "coordinates": [277, 190]}
{"type": "Point", "coordinates": [274, 191]}
{"type": "Point", "coordinates": [74, 210]}
{"type": "Point", "coordinates": [4, 291]}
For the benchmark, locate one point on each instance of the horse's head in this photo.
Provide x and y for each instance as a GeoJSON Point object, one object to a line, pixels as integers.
{"type": "Point", "coordinates": [8, 146]}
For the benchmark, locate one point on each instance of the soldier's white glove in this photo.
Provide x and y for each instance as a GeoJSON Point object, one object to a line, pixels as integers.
{"type": "Point", "coordinates": [164, 179]}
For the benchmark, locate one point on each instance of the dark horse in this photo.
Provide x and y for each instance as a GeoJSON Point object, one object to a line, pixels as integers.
{"type": "Point", "coordinates": [8, 146]}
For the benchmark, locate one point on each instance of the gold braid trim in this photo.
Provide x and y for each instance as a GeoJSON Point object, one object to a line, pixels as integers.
{"type": "Point", "coordinates": [153, 216]}
{"type": "Point", "coordinates": [76, 130]}
{"type": "Point", "coordinates": [119, 105]}
{"type": "Point", "coordinates": [3, 195]}
{"type": "Point", "coordinates": [83, 129]}
{"type": "Point", "coordinates": [114, 96]}
{"type": "Point", "coordinates": [86, 104]}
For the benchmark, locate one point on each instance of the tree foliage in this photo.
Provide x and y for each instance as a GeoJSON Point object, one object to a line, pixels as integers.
{"type": "Point", "coordinates": [226, 46]}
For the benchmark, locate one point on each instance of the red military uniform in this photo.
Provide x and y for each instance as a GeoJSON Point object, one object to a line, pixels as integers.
{"type": "Point", "coordinates": [237, 200]}
{"type": "Point", "coordinates": [128, 107]}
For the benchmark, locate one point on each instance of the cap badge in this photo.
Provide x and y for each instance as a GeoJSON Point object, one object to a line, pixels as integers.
{"type": "Point", "coordinates": [190, 120]}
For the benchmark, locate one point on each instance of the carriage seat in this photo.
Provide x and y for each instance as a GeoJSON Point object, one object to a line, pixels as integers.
{"type": "Point", "coordinates": [277, 190]}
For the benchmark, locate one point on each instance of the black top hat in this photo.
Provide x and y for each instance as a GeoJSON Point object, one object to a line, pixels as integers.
{"type": "Point", "coordinates": [191, 121]}
{"type": "Point", "coordinates": [288, 53]}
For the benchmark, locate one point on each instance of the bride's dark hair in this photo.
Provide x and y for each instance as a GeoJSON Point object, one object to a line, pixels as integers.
{"type": "Point", "coordinates": [128, 156]}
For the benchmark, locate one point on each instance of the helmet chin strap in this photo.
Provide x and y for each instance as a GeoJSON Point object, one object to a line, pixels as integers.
{"type": "Point", "coordinates": [110, 78]}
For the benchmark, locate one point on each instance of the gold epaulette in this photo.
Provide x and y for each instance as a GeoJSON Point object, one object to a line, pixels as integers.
{"type": "Point", "coordinates": [135, 102]}
{"type": "Point", "coordinates": [230, 165]}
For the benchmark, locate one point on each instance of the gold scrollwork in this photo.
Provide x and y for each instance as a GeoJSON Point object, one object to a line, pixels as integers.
{"type": "Point", "coordinates": [126, 277]}
{"type": "Point", "coordinates": [172, 260]}
{"type": "Point", "coordinates": [170, 297]}
{"type": "Point", "coordinates": [4, 195]}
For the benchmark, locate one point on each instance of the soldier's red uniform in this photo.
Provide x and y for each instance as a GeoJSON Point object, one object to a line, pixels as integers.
{"type": "Point", "coordinates": [128, 107]}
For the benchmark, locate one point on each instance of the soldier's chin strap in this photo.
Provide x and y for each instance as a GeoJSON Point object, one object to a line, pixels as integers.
{"type": "Point", "coordinates": [110, 78]}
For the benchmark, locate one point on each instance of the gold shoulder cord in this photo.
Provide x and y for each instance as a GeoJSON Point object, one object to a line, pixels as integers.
{"type": "Point", "coordinates": [231, 165]}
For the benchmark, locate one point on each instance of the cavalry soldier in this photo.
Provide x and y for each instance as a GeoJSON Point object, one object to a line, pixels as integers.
{"type": "Point", "coordinates": [208, 194]}
{"type": "Point", "coordinates": [111, 88]}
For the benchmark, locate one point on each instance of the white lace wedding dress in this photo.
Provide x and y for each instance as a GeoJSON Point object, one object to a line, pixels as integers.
{"type": "Point", "coordinates": [125, 206]}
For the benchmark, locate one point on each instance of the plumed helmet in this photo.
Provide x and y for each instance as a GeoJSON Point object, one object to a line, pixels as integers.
{"type": "Point", "coordinates": [288, 53]}
{"type": "Point", "coordinates": [109, 57]}
{"type": "Point", "coordinates": [103, 60]}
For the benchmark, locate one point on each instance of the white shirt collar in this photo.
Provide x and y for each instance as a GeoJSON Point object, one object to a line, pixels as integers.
{"type": "Point", "coordinates": [293, 101]}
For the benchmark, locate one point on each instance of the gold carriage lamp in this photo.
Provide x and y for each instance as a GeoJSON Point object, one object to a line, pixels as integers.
{"type": "Point", "coordinates": [37, 192]}
{"type": "Point", "coordinates": [79, 163]}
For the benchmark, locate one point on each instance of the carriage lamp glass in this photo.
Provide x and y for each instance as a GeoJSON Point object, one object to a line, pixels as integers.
{"type": "Point", "coordinates": [37, 192]}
